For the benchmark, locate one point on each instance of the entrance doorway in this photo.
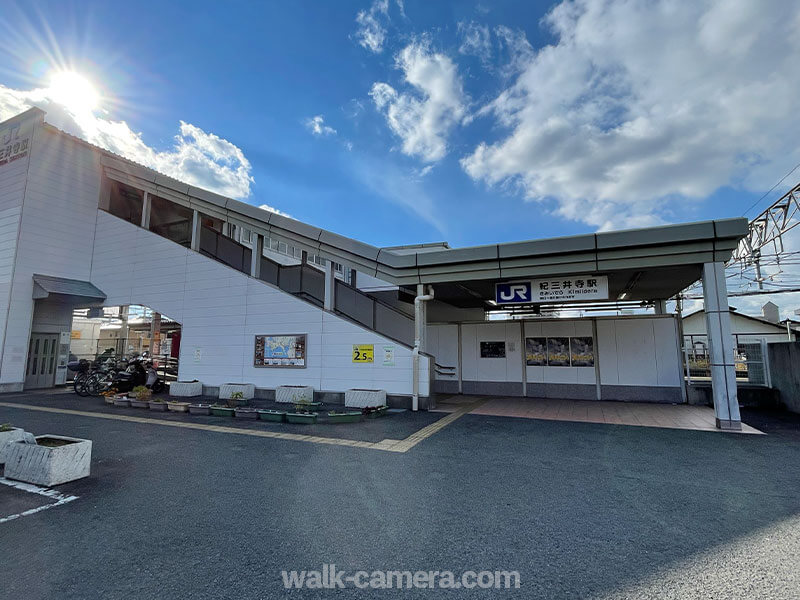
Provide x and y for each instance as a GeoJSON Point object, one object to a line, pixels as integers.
{"type": "Point", "coordinates": [41, 368]}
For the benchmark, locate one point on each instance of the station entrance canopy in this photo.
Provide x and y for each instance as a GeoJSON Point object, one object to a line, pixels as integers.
{"type": "Point", "coordinates": [640, 264]}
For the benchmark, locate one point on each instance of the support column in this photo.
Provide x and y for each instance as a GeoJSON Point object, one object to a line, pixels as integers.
{"type": "Point", "coordinates": [421, 323]}
{"type": "Point", "coordinates": [195, 245]}
{"type": "Point", "coordinates": [660, 307]}
{"type": "Point", "coordinates": [146, 211]}
{"type": "Point", "coordinates": [330, 286]}
{"type": "Point", "coordinates": [155, 333]}
{"type": "Point", "coordinates": [257, 241]}
{"type": "Point", "coordinates": [721, 347]}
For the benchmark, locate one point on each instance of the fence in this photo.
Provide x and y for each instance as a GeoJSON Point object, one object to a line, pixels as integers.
{"type": "Point", "coordinates": [751, 360]}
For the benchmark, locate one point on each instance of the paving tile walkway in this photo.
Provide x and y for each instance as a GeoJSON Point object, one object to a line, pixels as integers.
{"type": "Point", "coordinates": [642, 414]}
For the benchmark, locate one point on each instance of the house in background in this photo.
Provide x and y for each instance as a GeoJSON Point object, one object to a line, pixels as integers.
{"type": "Point", "coordinates": [746, 329]}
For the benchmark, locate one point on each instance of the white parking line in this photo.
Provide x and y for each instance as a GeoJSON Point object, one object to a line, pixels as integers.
{"type": "Point", "coordinates": [35, 489]}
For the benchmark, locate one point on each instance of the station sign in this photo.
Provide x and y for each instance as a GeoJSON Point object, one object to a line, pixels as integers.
{"type": "Point", "coordinates": [553, 289]}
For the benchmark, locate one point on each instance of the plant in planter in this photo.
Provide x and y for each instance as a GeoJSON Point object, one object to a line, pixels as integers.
{"type": "Point", "coordinates": [122, 400]}
{"type": "Point", "coordinates": [344, 417]}
{"type": "Point", "coordinates": [140, 397]}
{"type": "Point", "coordinates": [110, 395]}
{"type": "Point", "coordinates": [220, 410]}
{"type": "Point", "coordinates": [373, 412]}
{"type": "Point", "coordinates": [245, 412]}
{"type": "Point", "coordinates": [158, 405]}
{"type": "Point", "coordinates": [302, 413]}
{"type": "Point", "coordinates": [275, 416]}
{"type": "Point", "coordinates": [237, 399]}
{"type": "Point", "coordinates": [199, 409]}
{"type": "Point", "coordinates": [177, 406]}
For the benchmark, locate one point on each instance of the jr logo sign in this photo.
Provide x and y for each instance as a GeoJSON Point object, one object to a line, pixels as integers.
{"type": "Point", "coordinates": [513, 293]}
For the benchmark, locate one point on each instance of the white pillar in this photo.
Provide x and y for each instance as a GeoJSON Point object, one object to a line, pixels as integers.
{"type": "Point", "coordinates": [721, 347]}
{"type": "Point", "coordinates": [195, 245]}
{"type": "Point", "coordinates": [660, 307]}
{"type": "Point", "coordinates": [146, 211]}
{"type": "Point", "coordinates": [257, 241]}
{"type": "Point", "coordinates": [330, 286]}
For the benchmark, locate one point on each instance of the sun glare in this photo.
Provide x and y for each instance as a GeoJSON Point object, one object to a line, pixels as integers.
{"type": "Point", "coordinates": [73, 91]}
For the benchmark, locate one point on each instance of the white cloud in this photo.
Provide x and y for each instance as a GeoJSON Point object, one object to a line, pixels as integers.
{"type": "Point", "coordinates": [371, 34]}
{"type": "Point", "coordinates": [398, 186]}
{"type": "Point", "coordinates": [423, 118]}
{"type": "Point", "coordinates": [272, 209]}
{"type": "Point", "coordinates": [316, 125]}
{"type": "Point", "coordinates": [476, 40]}
{"type": "Point", "coordinates": [197, 157]}
{"type": "Point", "coordinates": [638, 104]}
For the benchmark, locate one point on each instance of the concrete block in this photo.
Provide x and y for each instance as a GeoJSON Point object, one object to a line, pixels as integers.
{"type": "Point", "coordinates": [6, 438]}
{"type": "Point", "coordinates": [294, 393]}
{"type": "Point", "coordinates": [359, 398]}
{"type": "Point", "coordinates": [185, 389]}
{"type": "Point", "coordinates": [247, 389]}
{"type": "Point", "coordinates": [49, 465]}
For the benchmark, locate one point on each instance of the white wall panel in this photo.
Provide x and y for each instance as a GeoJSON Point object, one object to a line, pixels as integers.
{"type": "Point", "coordinates": [222, 310]}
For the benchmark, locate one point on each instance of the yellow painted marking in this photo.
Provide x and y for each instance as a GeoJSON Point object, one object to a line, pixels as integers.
{"type": "Point", "coordinates": [388, 445]}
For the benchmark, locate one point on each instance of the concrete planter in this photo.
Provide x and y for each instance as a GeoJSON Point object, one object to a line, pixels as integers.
{"type": "Point", "coordinates": [344, 417]}
{"type": "Point", "coordinates": [275, 416]}
{"type": "Point", "coordinates": [226, 389]}
{"type": "Point", "coordinates": [291, 394]}
{"type": "Point", "coordinates": [301, 418]}
{"type": "Point", "coordinates": [185, 389]}
{"type": "Point", "coordinates": [14, 434]}
{"type": "Point", "coordinates": [358, 398]}
{"type": "Point", "coordinates": [199, 409]}
{"type": "Point", "coordinates": [53, 460]}
{"type": "Point", "coordinates": [136, 403]}
{"type": "Point", "coordinates": [221, 411]}
{"type": "Point", "coordinates": [178, 406]}
{"type": "Point", "coordinates": [245, 413]}
{"type": "Point", "coordinates": [158, 405]}
{"type": "Point", "coordinates": [122, 402]}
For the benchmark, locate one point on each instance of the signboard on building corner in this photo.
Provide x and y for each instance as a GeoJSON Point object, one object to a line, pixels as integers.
{"type": "Point", "coordinates": [553, 289]}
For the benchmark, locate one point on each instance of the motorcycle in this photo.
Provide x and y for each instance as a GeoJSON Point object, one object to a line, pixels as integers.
{"type": "Point", "coordinates": [140, 371]}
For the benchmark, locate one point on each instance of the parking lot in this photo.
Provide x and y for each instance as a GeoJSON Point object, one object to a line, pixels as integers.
{"type": "Point", "coordinates": [578, 509]}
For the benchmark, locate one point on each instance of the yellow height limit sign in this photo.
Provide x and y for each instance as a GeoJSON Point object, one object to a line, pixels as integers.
{"type": "Point", "coordinates": [363, 353]}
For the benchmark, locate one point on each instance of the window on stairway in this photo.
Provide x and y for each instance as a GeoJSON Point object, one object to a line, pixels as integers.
{"type": "Point", "coordinates": [171, 220]}
{"type": "Point", "coordinates": [123, 201]}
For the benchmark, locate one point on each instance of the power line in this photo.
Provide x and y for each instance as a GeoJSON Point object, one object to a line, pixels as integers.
{"type": "Point", "coordinates": [770, 190]}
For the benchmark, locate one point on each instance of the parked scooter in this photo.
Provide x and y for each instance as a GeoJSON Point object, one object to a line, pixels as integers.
{"type": "Point", "coordinates": [140, 371]}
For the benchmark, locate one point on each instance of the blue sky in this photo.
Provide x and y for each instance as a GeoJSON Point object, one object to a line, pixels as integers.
{"type": "Point", "coordinates": [468, 121]}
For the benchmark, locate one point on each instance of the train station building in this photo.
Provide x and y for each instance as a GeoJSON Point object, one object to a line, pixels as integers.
{"type": "Point", "coordinates": [264, 299]}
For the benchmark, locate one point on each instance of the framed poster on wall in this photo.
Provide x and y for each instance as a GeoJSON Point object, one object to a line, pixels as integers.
{"type": "Point", "coordinates": [286, 351]}
{"type": "Point", "coordinates": [558, 351]}
{"type": "Point", "coordinates": [536, 351]}
{"type": "Point", "coordinates": [493, 349]}
{"type": "Point", "coordinates": [582, 351]}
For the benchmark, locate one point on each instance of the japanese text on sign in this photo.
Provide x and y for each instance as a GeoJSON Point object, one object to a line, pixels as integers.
{"type": "Point", "coordinates": [553, 289]}
{"type": "Point", "coordinates": [363, 353]}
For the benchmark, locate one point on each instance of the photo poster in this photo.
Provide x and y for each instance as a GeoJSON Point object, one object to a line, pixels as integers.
{"type": "Point", "coordinates": [493, 349]}
{"type": "Point", "coordinates": [536, 351]}
{"type": "Point", "coordinates": [558, 352]}
{"type": "Point", "coordinates": [582, 351]}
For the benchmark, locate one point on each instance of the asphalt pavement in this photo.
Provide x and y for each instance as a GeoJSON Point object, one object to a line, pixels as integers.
{"type": "Point", "coordinates": [579, 510]}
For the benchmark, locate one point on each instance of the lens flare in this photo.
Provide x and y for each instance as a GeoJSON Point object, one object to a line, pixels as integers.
{"type": "Point", "coordinates": [73, 91]}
